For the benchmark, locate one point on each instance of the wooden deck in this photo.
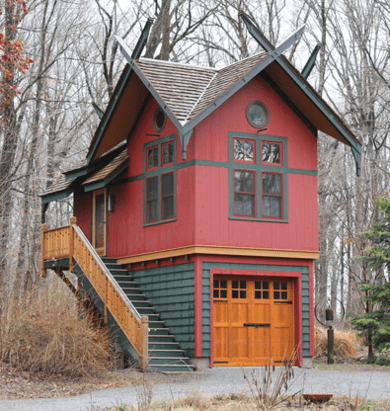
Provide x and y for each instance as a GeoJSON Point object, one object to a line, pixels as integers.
{"type": "Point", "coordinates": [70, 242]}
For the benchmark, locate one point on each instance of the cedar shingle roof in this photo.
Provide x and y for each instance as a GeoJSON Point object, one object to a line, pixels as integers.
{"type": "Point", "coordinates": [224, 79]}
{"type": "Point", "coordinates": [187, 90]}
{"type": "Point", "coordinates": [58, 185]}
{"type": "Point", "coordinates": [108, 169]}
{"type": "Point", "coordinates": [179, 85]}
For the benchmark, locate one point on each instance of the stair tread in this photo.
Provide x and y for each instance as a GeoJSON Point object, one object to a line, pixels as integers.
{"type": "Point", "coordinates": [164, 343]}
{"type": "Point", "coordinates": [168, 358]}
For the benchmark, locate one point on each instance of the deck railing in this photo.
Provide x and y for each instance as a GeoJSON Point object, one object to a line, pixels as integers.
{"type": "Point", "coordinates": [70, 242]}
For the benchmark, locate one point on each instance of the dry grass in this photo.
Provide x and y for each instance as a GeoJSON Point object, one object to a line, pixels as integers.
{"type": "Point", "coordinates": [242, 402]}
{"type": "Point", "coordinates": [43, 331]}
{"type": "Point", "coordinates": [346, 343]}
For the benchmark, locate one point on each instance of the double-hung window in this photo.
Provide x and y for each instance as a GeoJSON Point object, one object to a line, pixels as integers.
{"type": "Point", "coordinates": [258, 177]}
{"type": "Point", "coordinates": [159, 186]}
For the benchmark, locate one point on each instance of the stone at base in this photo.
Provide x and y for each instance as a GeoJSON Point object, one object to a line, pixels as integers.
{"type": "Point", "coordinates": [200, 363]}
{"type": "Point", "coordinates": [307, 362]}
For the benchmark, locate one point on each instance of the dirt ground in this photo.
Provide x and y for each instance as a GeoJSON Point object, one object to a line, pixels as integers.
{"type": "Point", "coordinates": [21, 384]}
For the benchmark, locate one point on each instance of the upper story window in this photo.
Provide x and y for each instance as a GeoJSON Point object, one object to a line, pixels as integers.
{"type": "Point", "coordinates": [271, 153]}
{"type": "Point", "coordinates": [152, 158]}
{"type": "Point", "coordinates": [272, 195]}
{"type": "Point", "coordinates": [159, 186]}
{"type": "Point", "coordinates": [244, 150]}
{"type": "Point", "coordinates": [258, 183]}
{"type": "Point", "coordinates": [167, 152]}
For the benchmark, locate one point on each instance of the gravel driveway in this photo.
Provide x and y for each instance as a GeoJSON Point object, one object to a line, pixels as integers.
{"type": "Point", "coordinates": [371, 385]}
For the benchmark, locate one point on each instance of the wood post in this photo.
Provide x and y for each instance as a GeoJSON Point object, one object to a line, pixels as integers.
{"type": "Point", "coordinates": [145, 343]}
{"type": "Point", "coordinates": [72, 222]}
{"type": "Point", "coordinates": [43, 230]}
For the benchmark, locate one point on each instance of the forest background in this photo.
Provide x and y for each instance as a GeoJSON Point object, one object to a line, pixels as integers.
{"type": "Point", "coordinates": [46, 128]}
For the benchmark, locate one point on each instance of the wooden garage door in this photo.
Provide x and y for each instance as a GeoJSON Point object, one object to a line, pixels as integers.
{"type": "Point", "coordinates": [253, 321]}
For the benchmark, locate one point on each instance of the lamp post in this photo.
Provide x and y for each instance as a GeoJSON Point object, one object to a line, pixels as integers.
{"type": "Point", "coordinates": [329, 321]}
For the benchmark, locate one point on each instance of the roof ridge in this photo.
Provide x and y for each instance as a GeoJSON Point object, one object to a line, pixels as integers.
{"type": "Point", "coordinates": [178, 64]}
{"type": "Point", "coordinates": [240, 61]}
{"type": "Point", "coordinates": [200, 96]}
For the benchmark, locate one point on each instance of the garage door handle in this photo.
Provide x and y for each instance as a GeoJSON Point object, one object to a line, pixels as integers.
{"type": "Point", "coordinates": [283, 302]}
{"type": "Point", "coordinates": [257, 325]}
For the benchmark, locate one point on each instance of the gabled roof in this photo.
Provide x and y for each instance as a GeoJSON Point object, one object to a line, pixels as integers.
{"type": "Point", "coordinates": [189, 94]}
{"type": "Point", "coordinates": [107, 173]}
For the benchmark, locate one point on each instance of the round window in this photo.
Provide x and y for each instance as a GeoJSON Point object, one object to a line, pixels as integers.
{"type": "Point", "coordinates": [159, 119]}
{"type": "Point", "coordinates": [257, 114]}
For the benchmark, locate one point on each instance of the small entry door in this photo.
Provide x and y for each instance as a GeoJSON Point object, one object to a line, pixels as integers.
{"type": "Point", "coordinates": [253, 321]}
{"type": "Point", "coordinates": [99, 218]}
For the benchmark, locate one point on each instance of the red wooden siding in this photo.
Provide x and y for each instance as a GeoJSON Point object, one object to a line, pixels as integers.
{"type": "Point", "coordinates": [202, 191]}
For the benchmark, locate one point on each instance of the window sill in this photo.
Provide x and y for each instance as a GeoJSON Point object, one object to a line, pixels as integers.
{"type": "Point", "coordinates": [268, 220]}
{"type": "Point", "coordinates": [171, 220]}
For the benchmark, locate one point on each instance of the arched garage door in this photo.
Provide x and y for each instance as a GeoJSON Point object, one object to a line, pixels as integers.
{"type": "Point", "coordinates": [253, 320]}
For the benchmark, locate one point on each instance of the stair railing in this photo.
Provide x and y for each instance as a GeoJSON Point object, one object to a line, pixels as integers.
{"type": "Point", "coordinates": [70, 242]}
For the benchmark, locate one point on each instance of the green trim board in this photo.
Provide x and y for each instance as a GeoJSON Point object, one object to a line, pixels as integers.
{"type": "Point", "coordinates": [171, 291]}
{"type": "Point", "coordinates": [62, 263]}
{"type": "Point", "coordinates": [206, 315]}
{"type": "Point", "coordinates": [210, 163]}
{"type": "Point", "coordinates": [58, 195]}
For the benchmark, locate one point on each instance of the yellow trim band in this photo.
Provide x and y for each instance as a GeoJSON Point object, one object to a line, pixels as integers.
{"type": "Point", "coordinates": [219, 250]}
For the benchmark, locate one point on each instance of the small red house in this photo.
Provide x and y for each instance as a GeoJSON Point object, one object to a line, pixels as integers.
{"type": "Point", "coordinates": [196, 212]}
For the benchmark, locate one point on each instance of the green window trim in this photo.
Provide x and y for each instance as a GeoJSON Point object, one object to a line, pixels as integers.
{"type": "Point", "coordinates": [159, 182]}
{"type": "Point", "coordinates": [259, 167]}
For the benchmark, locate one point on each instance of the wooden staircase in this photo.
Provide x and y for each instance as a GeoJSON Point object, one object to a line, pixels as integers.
{"type": "Point", "coordinates": [122, 304]}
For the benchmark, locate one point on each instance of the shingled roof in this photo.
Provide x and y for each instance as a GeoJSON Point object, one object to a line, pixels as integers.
{"type": "Point", "coordinates": [186, 89]}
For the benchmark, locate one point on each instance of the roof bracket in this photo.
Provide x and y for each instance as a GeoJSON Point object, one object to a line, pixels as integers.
{"type": "Point", "coordinates": [258, 35]}
{"type": "Point", "coordinates": [310, 62]}
{"type": "Point", "coordinates": [143, 38]}
{"type": "Point", "coordinates": [358, 160]}
{"type": "Point", "coordinates": [185, 139]}
{"type": "Point", "coordinates": [98, 110]}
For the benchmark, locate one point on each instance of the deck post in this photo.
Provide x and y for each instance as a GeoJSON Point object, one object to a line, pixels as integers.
{"type": "Point", "coordinates": [43, 230]}
{"type": "Point", "coordinates": [72, 222]}
{"type": "Point", "coordinates": [145, 343]}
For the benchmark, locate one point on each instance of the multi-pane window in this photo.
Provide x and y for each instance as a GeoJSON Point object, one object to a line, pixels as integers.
{"type": "Point", "coordinates": [160, 181]}
{"type": "Point", "coordinates": [167, 153]}
{"type": "Point", "coordinates": [271, 153]}
{"type": "Point", "coordinates": [244, 193]}
{"type": "Point", "coordinates": [220, 289]}
{"type": "Point", "coordinates": [152, 157]}
{"type": "Point", "coordinates": [257, 183]}
{"type": "Point", "coordinates": [272, 195]}
{"type": "Point", "coordinates": [244, 150]}
{"type": "Point", "coordinates": [262, 290]}
{"type": "Point", "coordinates": [280, 290]}
{"type": "Point", "coordinates": [167, 196]}
{"type": "Point", "coordinates": [239, 289]}
{"type": "Point", "coordinates": [152, 199]}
